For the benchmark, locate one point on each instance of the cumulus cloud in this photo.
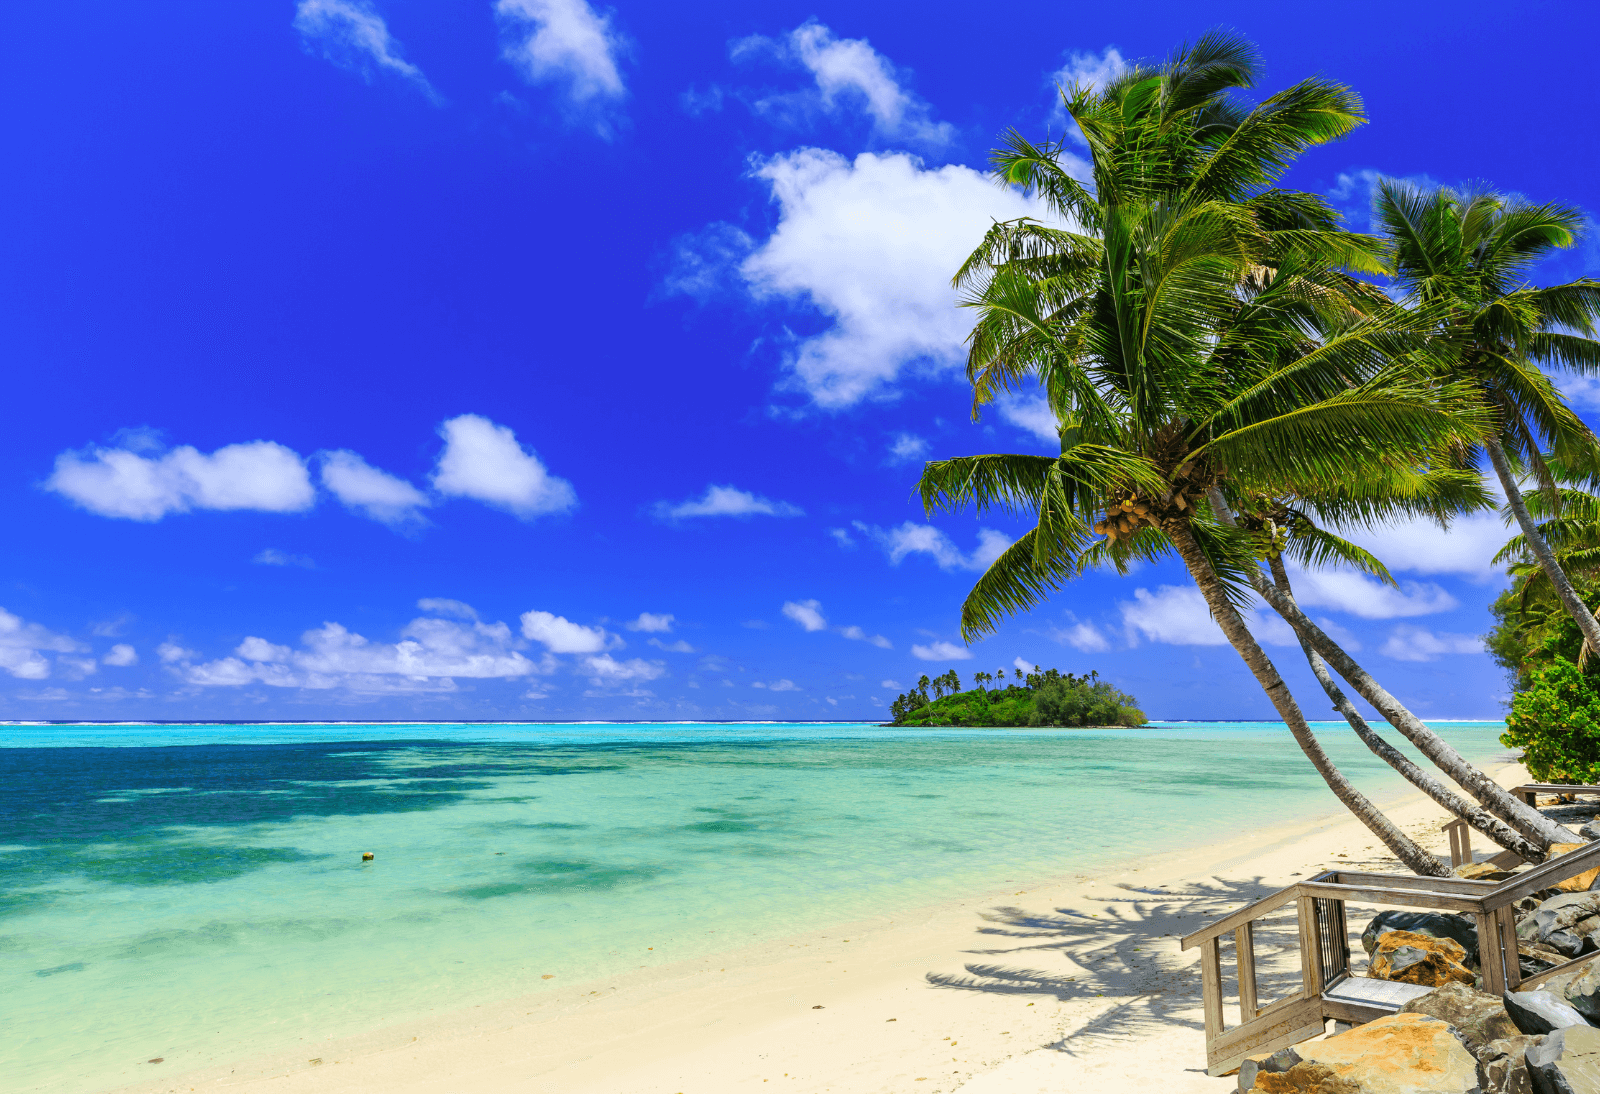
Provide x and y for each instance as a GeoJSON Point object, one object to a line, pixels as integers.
{"type": "Point", "coordinates": [679, 646]}
{"type": "Point", "coordinates": [1081, 636]}
{"type": "Point", "coordinates": [605, 669]}
{"type": "Point", "coordinates": [856, 634]}
{"type": "Point", "coordinates": [431, 654]}
{"type": "Point", "coordinates": [777, 685]}
{"type": "Point", "coordinates": [850, 75]}
{"type": "Point", "coordinates": [121, 656]}
{"type": "Point", "coordinates": [726, 501]}
{"type": "Point", "coordinates": [651, 623]}
{"type": "Point", "coordinates": [1409, 643]}
{"type": "Point", "coordinates": [352, 35]}
{"type": "Point", "coordinates": [1346, 591]}
{"type": "Point", "coordinates": [271, 556]}
{"type": "Point", "coordinates": [483, 461]}
{"type": "Point", "coordinates": [22, 645]}
{"type": "Point", "coordinates": [172, 653]}
{"type": "Point", "coordinates": [146, 486]}
{"type": "Point", "coordinates": [1422, 547]}
{"type": "Point", "coordinates": [892, 685]}
{"type": "Point", "coordinates": [907, 448]}
{"type": "Point", "coordinates": [1077, 67]}
{"type": "Point", "coordinates": [842, 538]}
{"type": "Point", "coordinates": [941, 651]}
{"type": "Point", "coordinates": [872, 243]}
{"type": "Point", "coordinates": [1178, 616]}
{"type": "Point", "coordinates": [439, 605]}
{"type": "Point", "coordinates": [1031, 414]}
{"type": "Point", "coordinates": [561, 636]}
{"type": "Point", "coordinates": [912, 538]}
{"type": "Point", "coordinates": [563, 42]}
{"type": "Point", "coordinates": [364, 489]}
{"type": "Point", "coordinates": [807, 613]}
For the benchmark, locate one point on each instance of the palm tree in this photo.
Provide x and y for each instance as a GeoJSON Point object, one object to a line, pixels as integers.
{"type": "Point", "coordinates": [1463, 258]}
{"type": "Point", "coordinates": [1195, 328]}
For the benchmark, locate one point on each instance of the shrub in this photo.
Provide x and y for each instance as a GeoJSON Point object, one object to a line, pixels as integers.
{"type": "Point", "coordinates": [1555, 720]}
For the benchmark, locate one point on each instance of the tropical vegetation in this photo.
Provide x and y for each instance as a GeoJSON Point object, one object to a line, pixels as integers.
{"type": "Point", "coordinates": [1038, 698]}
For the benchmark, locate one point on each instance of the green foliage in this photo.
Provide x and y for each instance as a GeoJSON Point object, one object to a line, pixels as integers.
{"type": "Point", "coordinates": [1047, 698]}
{"type": "Point", "coordinates": [1556, 722]}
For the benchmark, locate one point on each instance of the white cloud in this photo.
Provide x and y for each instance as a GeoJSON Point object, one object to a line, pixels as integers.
{"type": "Point", "coordinates": [778, 685]}
{"type": "Point", "coordinates": [1408, 643]}
{"type": "Point", "coordinates": [651, 623]}
{"type": "Point", "coordinates": [172, 653]}
{"type": "Point", "coordinates": [907, 448]}
{"type": "Point", "coordinates": [1081, 636]}
{"type": "Point", "coordinates": [483, 461]}
{"type": "Point", "coordinates": [369, 491]}
{"type": "Point", "coordinates": [565, 42]}
{"type": "Point", "coordinates": [872, 244]}
{"type": "Point", "coordinates": [121, 656]}
{"type": "Point", "coordinates": [21, 645]}
{"type": "Point", "coordinates": [119, 482]}
{"type": "Point", "coordinates": [850, 74]}
{"type": "Point", "coordinates": [912, 538]}
{"type": "Point", "coordinates": [352, 35]}
{"type": "Point", "coordinates": [942, 651]}
{"type": "Point", "coordinates": [605, 669]}
{"type": "Point", "coordinates": [1346, 591]}
{"type": "Point", "coordinates": [859, 635]}
{"type": "Point", "coordinates": [1095, 69]}
{"type": "Point", "coordinates": [1178, 616]}
{"type": "Point", "coordinates": [726, 501]}
{"type": "Point", "coordinates": [807, 613]}
{"type": "Point", "coordinates": [1422, 547]}
{"type": "Point", "coordinates": [271, 556]}
{"type": "Point", "coordinates": [892, 685]}
{"type": "Point", "coordinates": [561, 636]}
{"type": "Point", "coordinates": [440, 605]}
{"type": "Point", "coordinates": [679, 646]}
{"type": "Point", "coordinates": [1023, 666]}
{"type": "Point", "coordinates": [429, 656]}
{"type": "Point", "coordinates": [842, 538]}
{"type": "Point", "coordinates": [1031, 414]}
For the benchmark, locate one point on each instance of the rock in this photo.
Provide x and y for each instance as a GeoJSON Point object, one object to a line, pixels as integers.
{"type": "Point", "coordinates": [1477, 1016]}
{"type": "Point", "coordinates": [1282, 1060]}
{"type": "Point", "coordinates": [1580, 987]}
{"type": "Point", "coordinates": [1505, 1069]}
{"type": "Point", "coordinates": [1567, 1062]}
{"type": "Point", "coordinates": [1433, 924]}
{"type": "Point", "coordinates": [1591, 831]}
{"type": "Point", "coordinates": [1541, 1011]}
{"type": "Point", "coordinates": [1412, 958]}
{"type": "Point", "coordinates": [1481, 871]}
{"type": "Point", "coordinates": [1579, 883]}
{"type": "Point", "coordinates": [1399, 1054]}
{"type": "Point", "coordinates": [1562, 922]}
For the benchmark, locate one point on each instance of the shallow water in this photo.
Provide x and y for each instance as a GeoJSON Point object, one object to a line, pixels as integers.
{"type": "Point", "coordinates": [196, 893]}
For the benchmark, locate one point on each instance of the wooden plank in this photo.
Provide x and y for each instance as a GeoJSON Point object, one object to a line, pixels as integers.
{"type": "Point", "coordinates": [1310, 947]}
{"type": "Point", "coordinates": [1244, 915]}
{"type": "Point", "coordinates": [1506, 860]}
{"type": "Point", "coordinates": [1354, 1013]}
{"type": "Point", "coordinates": [1546, 876]}
{"type": "Point", "coordinates": [1557, 788]}
{"type": "Point", "coordinates": [1411, 898]}
{"type": "Point", "coordinates": [1211, 987]}
{"type": "Point", "coordinates": [1508, 946]}
{"type": "Point", "coordinates": [1489, 956]}
{"type": "Point", "coordinates": [1457, 885]}
{"type": "Point", "coordinates": [1244, 957]}
{"type": "Point", "coordinates": [1277, 1028]}
{"type": "Point", "coordinates": [1532, 983]}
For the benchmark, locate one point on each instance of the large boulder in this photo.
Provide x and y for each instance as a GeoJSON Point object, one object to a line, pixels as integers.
{"type": "Point", "coordinates": [1567, 1062]}
{"type": "Point", "coordinates": [1477, 1016]}
{"type": "Point", "coordinates": [1434, 924]}
{"type": "Point", "coordinates": [1399, 1054]}
{"type": "Point", "coordinates": [1412, 958]}
{"type": "Point", "coordinates": [1541, 1011]}
{"type": "Point", "coordinates": [1505, 1066]}
{"type": "Point", "coordinates": [1563, 923]}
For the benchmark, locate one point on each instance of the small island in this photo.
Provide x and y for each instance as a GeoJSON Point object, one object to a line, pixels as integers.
{"type": "Point", "coordinates": [1037, 698]}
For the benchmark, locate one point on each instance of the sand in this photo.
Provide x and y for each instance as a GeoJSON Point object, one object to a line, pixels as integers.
{"type": "Point", "coordinates": [1048, 987]}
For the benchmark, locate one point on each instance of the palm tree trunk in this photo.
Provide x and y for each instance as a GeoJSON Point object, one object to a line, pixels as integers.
{"type": "Point", "coordinates": [1479, 818]}
{"type": "Point", "coordinates": [1266, 674]}
{"type": "Point", "coordinates": [1541, 549]}
{"type": "Point", "coordinates": [1519, 815]}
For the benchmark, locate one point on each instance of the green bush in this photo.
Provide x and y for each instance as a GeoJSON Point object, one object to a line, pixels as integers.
{"type": "Point", "coordinates": [1555, 720]}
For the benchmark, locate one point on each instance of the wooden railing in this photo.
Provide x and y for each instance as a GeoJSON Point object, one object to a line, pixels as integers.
{"type": "Point", "coordinates": [1323, 941]}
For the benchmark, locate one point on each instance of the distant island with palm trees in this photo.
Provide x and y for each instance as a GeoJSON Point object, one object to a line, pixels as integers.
{"type": "Point", "coordinates": [1037, 698]}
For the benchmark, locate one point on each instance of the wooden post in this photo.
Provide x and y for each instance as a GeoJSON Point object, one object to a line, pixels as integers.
{"type": "Point", "coordinates": [1244, 955]}
{"type": "Point", "coordinates": [1211, 986]}
{"type": "Point", "coordinates": [1508, 942]}
{"type": "Point", "coordinates": [1310, 946]}
{"type": "Point", "coordinates": [1460, 842]}
{"type": "Point", "coordinates": [1489, 958]}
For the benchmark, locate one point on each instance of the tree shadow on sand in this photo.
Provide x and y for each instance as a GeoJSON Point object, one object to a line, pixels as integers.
{"type": "Point", "coordinates": [1127, 953]}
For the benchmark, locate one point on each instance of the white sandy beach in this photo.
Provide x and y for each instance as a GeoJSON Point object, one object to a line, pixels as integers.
{"type": "Point", "coordinates": [1046, 987]}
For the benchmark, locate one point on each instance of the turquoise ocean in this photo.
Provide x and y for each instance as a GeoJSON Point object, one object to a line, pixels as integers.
{"type": "Point", "coordinates": [196, 892]}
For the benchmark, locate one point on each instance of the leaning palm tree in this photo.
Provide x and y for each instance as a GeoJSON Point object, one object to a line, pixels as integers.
{"type": "Point", "coordinates": [1463, 259]}
{"type": "Point", "coordinates": [1192, 328]}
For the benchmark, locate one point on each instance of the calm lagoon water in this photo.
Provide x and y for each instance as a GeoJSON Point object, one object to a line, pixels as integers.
{"type": "Point", "coordinates": [197, 893]}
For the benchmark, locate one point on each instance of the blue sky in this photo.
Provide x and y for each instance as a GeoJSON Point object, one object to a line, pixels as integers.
{"type": "Point", "coordinates": [405, 359]}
